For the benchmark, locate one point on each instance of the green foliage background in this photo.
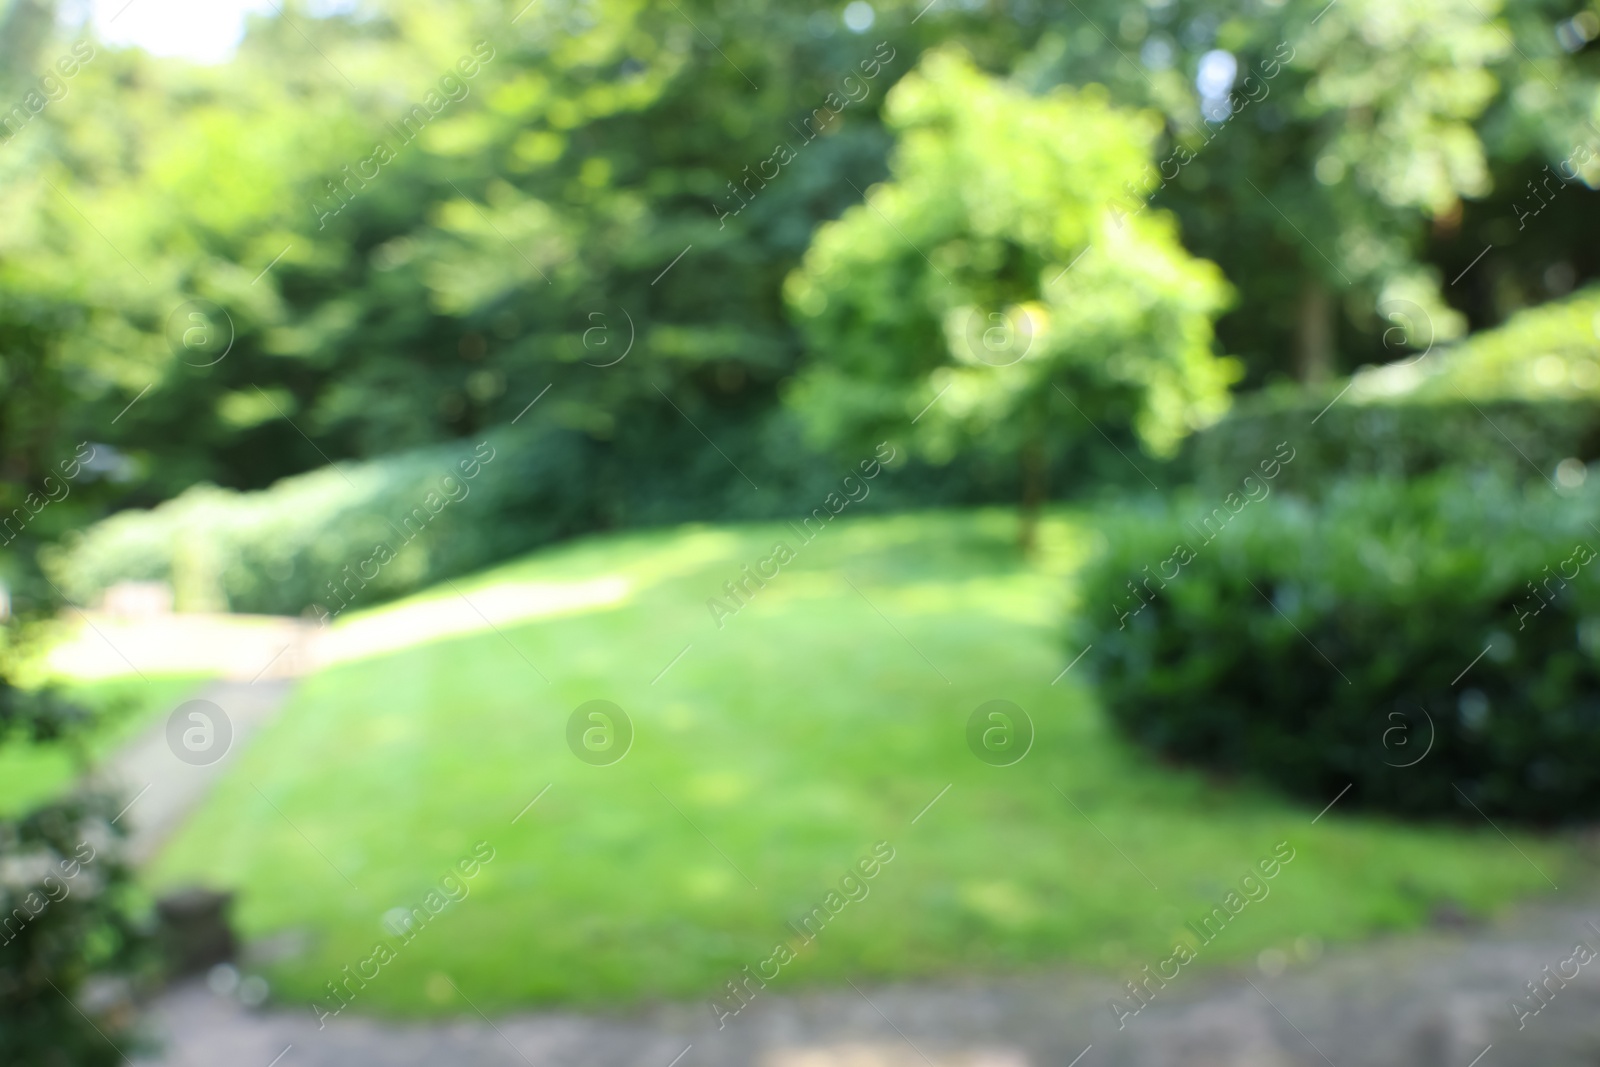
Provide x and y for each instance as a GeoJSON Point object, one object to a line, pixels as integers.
{"type": "Point", "coordinates": [573, 261]}
{"type": "Point", "coordinates": [1371, 150]}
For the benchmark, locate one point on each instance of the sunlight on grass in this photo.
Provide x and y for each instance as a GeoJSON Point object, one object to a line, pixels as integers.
{"type": "Point", "coordinates": [815, 722]}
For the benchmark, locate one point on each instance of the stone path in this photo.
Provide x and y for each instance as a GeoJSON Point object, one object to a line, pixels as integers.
{"type": "Point", "coordinates": [236, 647]}
{"type": "Point", "coordinates": [162, 787]}
{"type": "Point", "coordinates": [101, 644]}
{"type": "Point", "coordinates": [1440, 999]}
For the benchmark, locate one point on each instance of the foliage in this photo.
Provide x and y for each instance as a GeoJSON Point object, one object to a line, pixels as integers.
{"type": "Point", "coordinates": [1337, 162]}
{"type": "Point", "coordinates": [603, 139]}
{"type": "Point", "coordinates": [988, 283]}
{"type": "Point", "coordinates": [317, 541]}
{"type": "Point", "coordinates": [1518, 439]}
{"type": "Point", "coordinates": [1315, 646]}
{"type": "Point", "coordinates": [519, 243]}
{"type": "Point", "coordinates": [65, 910]}
{"type": "Point", "coordinates": [107, 714]}
{"type": "Point", "coordinates": [805, 719]}
{"type": "Point", "coordinates": [1551, 352]}
{"type": "Point", "coordinates": [66, 916]}
{"type": "Point", "coordinates": [589, 191]}
{"type": "Point", "coordinates": [285, 550]}
{"type": "Point", "coordinates": [1518, 399]}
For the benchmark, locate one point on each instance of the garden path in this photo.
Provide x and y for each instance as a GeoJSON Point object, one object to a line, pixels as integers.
{"type": "Point", "coordinates": [1437, 999]}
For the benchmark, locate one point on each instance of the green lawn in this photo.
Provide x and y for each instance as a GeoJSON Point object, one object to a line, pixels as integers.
{"type": "Point", "coordinates": [125, 707]}
{"type": "Point", "coordinates": [791, 740]}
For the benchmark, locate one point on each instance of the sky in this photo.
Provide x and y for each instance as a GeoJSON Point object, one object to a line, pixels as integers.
{"type": "Point", "coordinates": [205, 31]}
{"type": "Point", "coordinates": [208, 31]}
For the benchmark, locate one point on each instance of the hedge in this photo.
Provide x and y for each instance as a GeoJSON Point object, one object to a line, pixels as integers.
{"type": "Point", "coordinates": [1517, 399]}
{"type": "Point", "coordinates": [353, 534]}
{"type": "Point", "coordinates": [292, 548]}
{"type": "Point", "coordinates": [1517, 439]}
{"type": "Point", "coordinates": [1320, 644]}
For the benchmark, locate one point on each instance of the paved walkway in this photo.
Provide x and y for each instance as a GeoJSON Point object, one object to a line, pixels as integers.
{"type": "Point", "coordinates": [101, 644]}
{"type": "Point", "coordinates": [162, 788]}
{"type": "Point", "coordinates": [1436, 1000]}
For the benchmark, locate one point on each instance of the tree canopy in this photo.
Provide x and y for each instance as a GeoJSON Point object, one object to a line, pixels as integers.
{"type": "Point", "coordinates": [996, 281]}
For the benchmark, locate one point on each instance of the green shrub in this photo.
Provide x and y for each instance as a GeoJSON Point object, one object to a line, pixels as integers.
{"type": "Point", "coordinates": [1315, 645]}
{"type": "Point", "coordinates": [1517, 399]}
{"type": "Point", "coordinates": [1548, 352]}
{"type": "Point", "coordinates": [354, 534]}
{"type": "Point", "coordinates": [1516, 439]}
{"type": "Point", "coordinates": [312, 541]}
{"type": "Point", "coordinates": [66, 911]}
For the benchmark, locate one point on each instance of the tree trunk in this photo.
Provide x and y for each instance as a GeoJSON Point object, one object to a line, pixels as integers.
{"type": "Point", "coordinates": [1314, 333]}
{"type": "Point", "coordinates": [1035, 487]}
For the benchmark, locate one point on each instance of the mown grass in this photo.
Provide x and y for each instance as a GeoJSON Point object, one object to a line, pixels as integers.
{"type": "Point", "coordinates": [822, 718]}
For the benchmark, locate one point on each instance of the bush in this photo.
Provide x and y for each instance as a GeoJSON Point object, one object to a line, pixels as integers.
{"type": "Point", "coordinates": [1536, 379]}
{"type": "Point", "coordinates": [1315, 645]}
{"type": "Point", "coordinates": [314, 540]}
{"type": "Point", "coordinates": [65, 912]}
{"type": "Point", "coordinates": [1398, 440]}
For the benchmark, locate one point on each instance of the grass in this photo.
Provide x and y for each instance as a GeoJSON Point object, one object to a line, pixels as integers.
{"type": "Point", "coordinates": [819, 720]}
{"type": "Point", "coordinates": [124, 707]}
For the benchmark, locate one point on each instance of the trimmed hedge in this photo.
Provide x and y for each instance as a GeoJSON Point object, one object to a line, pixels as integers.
{"type": "Point", "coordinates": [1315, 645]}
{"type": "Point", "coordinates": [279, 550]}
{"type": "Point", "coordinates": [1517, 439]}
{"type": "Point", "coordinates": [354, 534]}
{"type": "Point", "coordinates": [1517, 399]}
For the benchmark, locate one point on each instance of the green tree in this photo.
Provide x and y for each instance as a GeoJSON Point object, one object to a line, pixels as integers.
{"type": "Point", "coordinates": [993, 282]}
{"type": "Point", "coordinates": [519, 242]}
{"type": "Point", "coordinates": [1340, 142]}
{"type": "Point", "coordinates": [533, 218]}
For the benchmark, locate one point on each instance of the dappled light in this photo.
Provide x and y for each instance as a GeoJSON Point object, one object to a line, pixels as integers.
{"type": "Point", "coordinates": [712, 533]}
